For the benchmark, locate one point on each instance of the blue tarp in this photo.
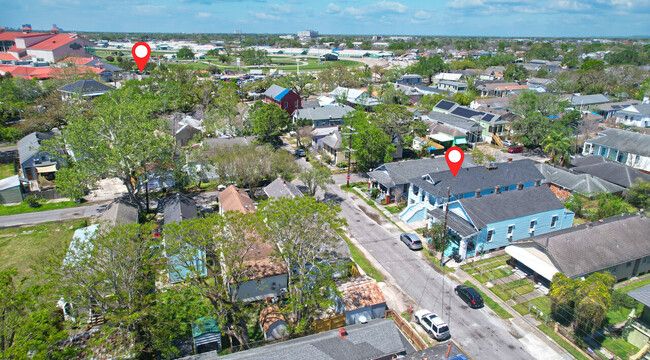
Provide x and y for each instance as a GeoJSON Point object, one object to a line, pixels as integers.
{"type": "Point", "coordinates": [282, 94]}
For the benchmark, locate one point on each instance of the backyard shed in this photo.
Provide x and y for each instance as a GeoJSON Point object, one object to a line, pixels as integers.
{"type": "Point", "coordinates": [11, 190]}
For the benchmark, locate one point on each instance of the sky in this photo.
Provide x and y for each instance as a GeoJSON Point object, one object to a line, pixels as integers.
{"type": "Point", "coordinates": [510, 18]}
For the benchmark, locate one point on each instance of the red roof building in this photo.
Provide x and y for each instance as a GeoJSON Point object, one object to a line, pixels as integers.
{"type": "Point", "coordinates": [50, 47]}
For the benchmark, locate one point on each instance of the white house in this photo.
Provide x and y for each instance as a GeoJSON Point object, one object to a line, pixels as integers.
{"type": "Point", "coordinates": [634, 115]}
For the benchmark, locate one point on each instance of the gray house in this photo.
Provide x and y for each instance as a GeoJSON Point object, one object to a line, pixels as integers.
{"type": "Point", "coordinates": [564, 182]}
{"type": "Point", "coordinates": [282, 188]}
{"type": "Point", "coordinates": [35, 162]}
{"type": "Point", "coordinates": [608, 170]}
{"type": "Point", "coordinates": [619, 245]}
{"type": "Point", "coordinates": [625, 147]}
{"type": "Point", "coordinates": [378, 339]}
{"type": "Point", "coordinates": [324, 116]}
{"type": "Point", "coordinates": [120, 212]}
{"type": "Point", "coordinates": [392, 179]}
{"type": "Point", "coordinates": [85, 88]}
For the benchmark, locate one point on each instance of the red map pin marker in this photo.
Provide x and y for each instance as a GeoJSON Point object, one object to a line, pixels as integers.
{"type": "Point", "coordinates": [454, 157]}
{"type": "Point", "coordinates": [141, 52]}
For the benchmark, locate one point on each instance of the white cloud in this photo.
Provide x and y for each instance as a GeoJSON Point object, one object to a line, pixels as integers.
{"type": "Point", "coordinates": [332, 8]}
{"type": "Point", "coordinates": [149, 9]}
{"type": "Point", "coordinates": [265, 16]}
{"type": "Point", "coordinates": [376, 9]}
{"type": "Point", "coordinates": [281, 9]}
{"type": "Point", "coordinates": [421, 15]}
{"type": "Point", "coordinates": [204, 15]}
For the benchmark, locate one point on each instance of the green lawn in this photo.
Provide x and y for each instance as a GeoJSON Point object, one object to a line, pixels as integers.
{"type": "Point", "coordinates": [24, 208]}
{"type": "Point", "coordinates": [639, 284]}
{"type": "Point", "coordinates": [491, 303]}
{"type": "Point", "coordinates": [620, 314]}
{"type": "Point", "coordinates": [496, 274]}
{"type": "Point", "coordinates": [361, 260]}
{"type": "Point", "coordinates": [393, 209]}
{"type": "Point", "coordinates": [23, 247]}
{"type": "Point", "coordinates": [505, 292]}
{"type": "Point", "coordinates": [542, 303]}
{"type": "Point", "coordinates": [485, 261]}
{"type": "Point", "coordinates": [6, 170]}
{"type": "Point", "coordinates": [619, 347]}
{"type": "Point", "coordinates": [563, 343]}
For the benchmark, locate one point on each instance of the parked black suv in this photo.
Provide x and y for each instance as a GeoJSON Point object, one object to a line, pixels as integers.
{"type": "Point", "coordinates": [470, 296]}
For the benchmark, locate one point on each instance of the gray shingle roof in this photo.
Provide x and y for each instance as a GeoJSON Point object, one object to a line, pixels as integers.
{"type": "Point", "coordinates": [29, 145]}
{"type": "Point", "coordinates": [274, 90]}
{"type": "Point", "coordinates": [582, 183]}
{"type": "Point", "coordinates": [643, 109]}
{"type": "Point", "coordinates": [229, 142]}
{"type": "Point", "coordinates": [641, 295]}
{"type": "Point", "coordinates": [86, 87]}
{"type": "Point", "coordinates": [595, 246]}
{"type": "Point", "coordinates": [397, 173]}
{"type": "Point", "coordinates": [178, 208]}
{"type": "Point", "coordinates": [282, 188]}
{"type": "Point", "coordinates": [120, 212]}
{"type": "Point", "coordinates": [333, 140]}
{"type": "Point", "coordinates": [453, 121]}
{"type": "Point", "coordinates": [635, 143]}
{"type": "Point", "coordinates": [454, 222]}
{"type": "Point", "coordinates": [586, 100]}
{"type": "Point", "coordinates": [610, 171]}
{"type": "Point", "coordinates": [323, 113]}
{"type": "Point", "coordinates": [469, 179]}
{"type": "Point", "coordinates": [511, 204]}
{"type": "Point", "coordinates": [448, 130]}
{"type": "Point", "coordinates": [377, 338]}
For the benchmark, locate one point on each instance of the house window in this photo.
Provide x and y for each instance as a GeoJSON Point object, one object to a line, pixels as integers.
{"type": "Point", "coordinates": [628, 264]}
{"type": "Point", "coordinates": [490, 235]}
{"type": "Point", "coordinates": [286, 104]}
{"type": "Point", "coordinates": [645, 260]}
{"type": "Point", "coordinates": [511, 230]}
{"type": "Point", "coordinates": [532, 226]}
{"type": "Point", "coordinates": [554, 221]}
{"type": "Point", "coordinates": [613, 270]}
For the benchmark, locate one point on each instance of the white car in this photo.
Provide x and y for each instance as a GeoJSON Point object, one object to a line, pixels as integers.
{"type": "Point", "coordinates": [432, 324]}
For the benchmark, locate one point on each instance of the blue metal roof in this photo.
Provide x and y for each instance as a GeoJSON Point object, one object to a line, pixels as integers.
{"type": "Point", "coordinates": [282, 94]}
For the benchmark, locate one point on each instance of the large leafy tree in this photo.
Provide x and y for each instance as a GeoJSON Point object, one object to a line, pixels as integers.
{"type": "Point", "coordinates": [29, 321]}
{"type": "Point", "coordinates": [226, 241]}
{"type": "Point", "coordinates": [430, 66]}
{"type": "Point", "coordinates": [304, 233]}
{"type": "Point", "coordinates": [267, 121]}
{"type": "Point", "coordinates": [226, 111]}
{"type": "Point", "coordinates": [371, 144]}
{"type": "Point", "coordinates": [119, 137]}
{"type": "Point", "coordinates": [639, 194]}
{"type": "Point", "coordinates": [316, 178]}
{"type": "Point", "coordinates": [537, 113]}
{"type": "Point", "coordinates": [113, 273]}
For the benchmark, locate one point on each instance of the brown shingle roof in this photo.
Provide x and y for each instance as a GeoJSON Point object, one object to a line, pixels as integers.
{"type": "Point", "coordinates": [360, 292]}
{"type": "Point", "coordinates": [234, 199]}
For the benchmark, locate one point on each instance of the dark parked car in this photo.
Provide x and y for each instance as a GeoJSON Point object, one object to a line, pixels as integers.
{"type": "Point", "coordinates": [470, 296]}
{"type": "Point", "coordinates": [411, 240]}
{"type": "Point", "coordinates": [515, 149]}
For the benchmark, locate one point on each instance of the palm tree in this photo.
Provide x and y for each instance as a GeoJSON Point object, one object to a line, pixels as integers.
{"type": "Point", "coordinates": [558, 144]}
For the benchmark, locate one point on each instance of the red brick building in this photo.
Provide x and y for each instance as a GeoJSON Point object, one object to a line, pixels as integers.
{"type": "Point", "coordinates": [286, 99]}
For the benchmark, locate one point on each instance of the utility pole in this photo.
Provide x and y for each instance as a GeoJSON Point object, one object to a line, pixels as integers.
{"type": "Point", "coordinates": [350, 150]}
{"type": "Point", "coordinates": [444, 234]}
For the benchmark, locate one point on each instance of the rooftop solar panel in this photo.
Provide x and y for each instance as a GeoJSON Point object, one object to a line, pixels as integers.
{"type": "Point", "coordinates": [445, 105]}
{"type": "Point", "coordinates": [616, 106]}
{"type": "Point", "coordinates": [488, 117]}
{"type": "Point", "coordinates": [464, 112]}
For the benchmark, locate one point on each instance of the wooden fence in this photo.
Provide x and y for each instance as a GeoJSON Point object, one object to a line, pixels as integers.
{"type": "Point", "coordinates": [333, 322]}
{"type": "Point", "coordinates": [411, 334]}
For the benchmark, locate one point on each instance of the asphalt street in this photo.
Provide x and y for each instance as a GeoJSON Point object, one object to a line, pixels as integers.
{"type": "Point", "coordinates": [52, 215]}
{"type": "Point", "coordinates": [480, 332]}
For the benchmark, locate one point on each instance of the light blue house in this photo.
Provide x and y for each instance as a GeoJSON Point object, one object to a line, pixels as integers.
{"type": "Point", "coordinates": [492, 222]}
{"type": "Point", "coordinates": [429, 192]}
